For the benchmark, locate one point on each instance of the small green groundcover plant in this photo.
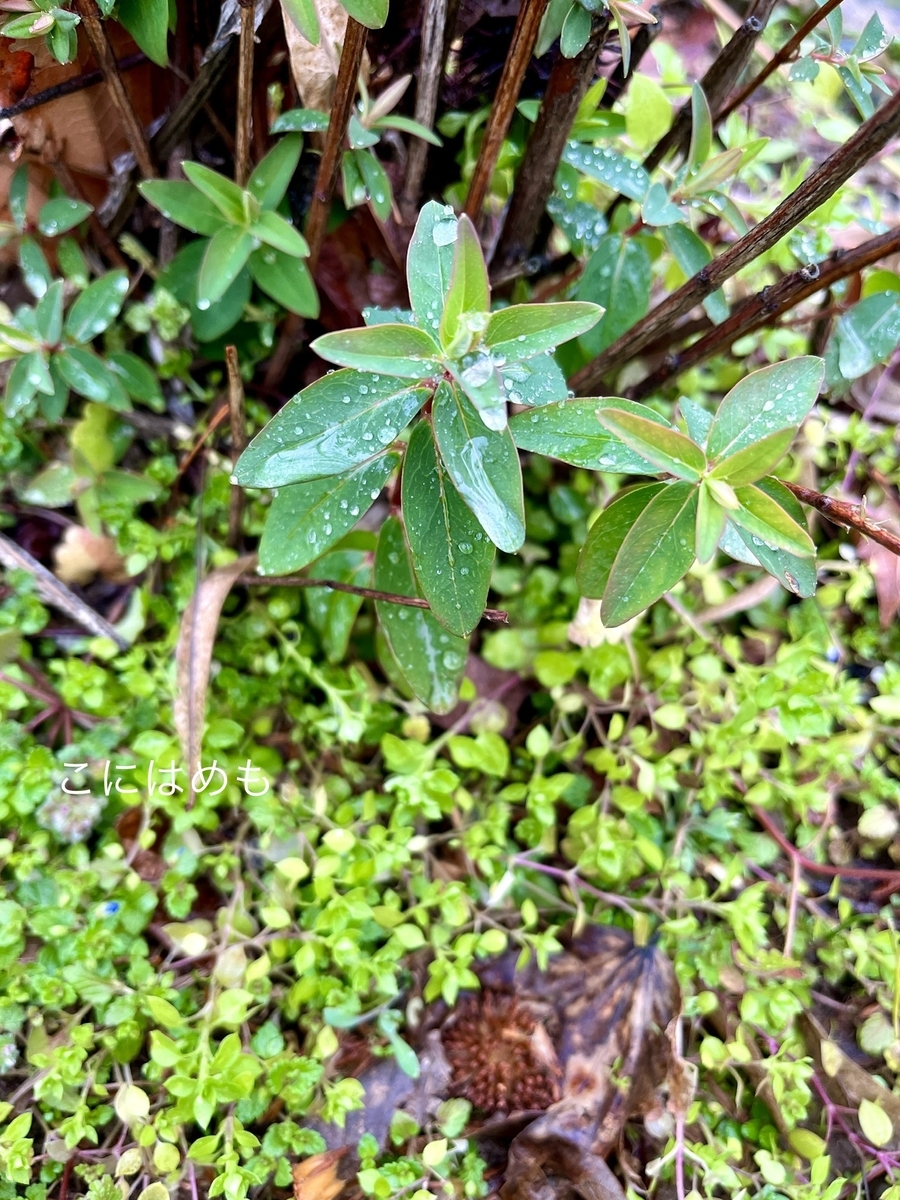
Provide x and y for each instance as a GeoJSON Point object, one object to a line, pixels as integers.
{"type": "Point", "coordinates": [458, 366]}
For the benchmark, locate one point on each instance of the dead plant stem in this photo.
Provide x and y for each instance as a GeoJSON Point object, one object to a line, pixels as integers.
{"type": "Point", "coordinates": [245, 95]}
{"type": "Point", "coordinates": [238, 439]}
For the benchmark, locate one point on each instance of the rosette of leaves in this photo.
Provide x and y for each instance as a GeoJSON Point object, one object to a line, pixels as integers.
{"type": "Point", "coordinates": [363, 177]}
{"type": "Point", "coordinates": [856, 67]}
{"type": "Point", "coordinates": [571, 20]}
{"type": "Point", "coordinates": [717, 491]}
{"type": "Point", "coordinates": [246, 240]}
{"type": "Point", "coordinates": [146, 20]}
{"type": "Point", "coordinates": [330, 451]}
{"type": "Point", "coordinates": [50, 344]}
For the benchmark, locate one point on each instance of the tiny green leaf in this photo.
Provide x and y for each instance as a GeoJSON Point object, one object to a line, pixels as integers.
{"type": "Point", "coordinates": [269, 181]}
{"type": "Point", "coordinates": [701, 128]}
{"type": "Point", "coordinates": [755, 461]}
{"type": "Point", "coordinates": [97, 307]}
{"type": "Point", "coordinates": [86, 374]}
{"type": "Point", "coordinates": [399, 350]}
{"type": "Point", "coordinates": [469, 290]}
{"type": "Point", "coordinates": [223, 261]}
{"type": "Point", "coordinates": [795, 573]}
{"type": "Point", "coordinates": [148, 23]}
{"type": "Point", "coordinates": [371, 13]}
{"type": "Point", "coordinates": [61, 214]}
{"type": "Point", "coordinates": [764, 518]}
{"type": "Point", "coordinates": [667, 448]}
{"type": "Point", "coordinates": [275, 231]}
{"type": "Point", "coordinates": [48, 314]}
{"type": "Point", "coordinates": [654, 555]}
{"type": "Point", "coordinates": [301, 120]}
{"type": "Point", "coordinates": [378, 186]}
{"type": "Point", "coordinates": [450, 552]}
{"type": "Point", "coordinates": [36, 271]}
{"type": "Point", "coordinates": [430, 659]}
{"type": "Point", "coordinates": [136, 377]}
{"type": "Point", "coordinates": [524, 330]}
{"type": "Point", "coordinates": [484, 466]}
{"type": "Point", "coordinates": [606, 535]}
{"type": "Point", "coordinates": [303, 14]}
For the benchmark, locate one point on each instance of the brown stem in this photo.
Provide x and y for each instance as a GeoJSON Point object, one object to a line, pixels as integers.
{"type": "Point", "coordinates": [851, 516]}
{"type": "Point", "coordinates": [767, 306]}
{"type": "Point", "coordinates": [238, 439]}
{"type": "Point", "coordinates": [819, 868]}
{"type": "Point", "coordinates": [785, 54]}
{"type": "Point", "coordinates": [869, 140]}
{"type": "Point", "coordinates": [208, 78]}
{"type": "Point", "coordinates": [330, 163]}
{"type": "Point", "coordinates": [489, 614]}
{"type": "Point", "coordinates": [717, 82]}
{"type": "Point", "coordinates": [524, 37]}
{"type": "Point", "coordinates": [134, 130]}
{"type": "Point", "coordinates": [68, 87]}
{"type": "Point", "coordinates": [245, 95]}
{"type": "Point", "coordinates": [428, 83]}
{"type": "Point", "coordinates": [569, 79]}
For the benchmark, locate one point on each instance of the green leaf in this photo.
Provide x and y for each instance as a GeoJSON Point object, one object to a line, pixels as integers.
{"type": "Point", "coordinates": [697, 420]}
{"type": "Point", "coordinates": [269, 181]}
{"type": "Point", "coordinates": [36, 272]}
{"type": "Point", "coordinates": [401, 350]}
{"type": "Point", "coordinates": [571, 432]}
{"type": "Point", "coordinates": [48, 313]}
{"type": "Point", "coordinates": [667, 448]}
{"type": "Point", "coordinates": [575, 31]}
{"type": "Point", "coordinates": [701, 129]}
{"type": "Point", "coordinates": [301, 120]}
{"type": "Point", "coordinates": [352, 183]}
{"type": "Point", "coordinates": [337, 422]}
{"type": "Point", "coordinates": [138, 379]}
{"type": "Point", "coordinates": [654, 555]}
{"type": "Point", "coordinates": [868, 334]}
{"type": "Point", "coordinates": [764, 518]}
{"type": "Point", "coordinates": [148, 23]}
{"type": "Point", "coordinates": [451, 555]}
{"type": "Point", "coordinates": [483, 465]}
{"type": "Point", "coordinates": [405, 125]}
{"type": "Point", "coordinates": [224, 193]}
{"type": "Point", "coordinates": [371, 13]}
{"type": "Point", "coordinates": [692, 254]}
{"type": "Point", "coordinates": [534, 381]}
{"type": "Point", "coordinates": [648, 112]}
{"type": "Point", "coordinates": [215, 320]}
{"type": "Point", "coordinates": [378, 186]}
{"type": "Point", "coordinates": [225, 257]}
{"type": "Point", "coordinates": [276, 232]}
{"type": "Point", "coordinates": [85, 374]}
{"type": "Point", "coordinates": [303, 14]}
{"type": "Point", "coordinates": [182, 203]}
{"type": "Point", "coordinates": [772, 398]}
{"type": "Point", "coordinates": [658, 209]}
{"type": "Point", "coordinates": [22, 383]}
{"type": "Point", "coordinates": [469, 290]}
{"type": "Point", "coordinates": [431, 660]}
{"type": "Point", "coordinates": [751, 463]}
{"type": "Point", "coordinates": [711, 520]}
{"type": "Point", "coordinates": [332, 614]}
{"type": "Point", "coordinates": [523, 330]}
{"type": "Point", "coordinates": [551, 25]}
{"type": "Point", "coordinates": [606, 535]}
{"type": "Point", "coordinates": [17, 199]}
{"type": "Point", "coordinates": [429, 264]}
{"type": "Point", "coordinates": [615, 170]}
{"type": "Point", "coordinates": [795, 573]}
{"type": "Point", "coordinates": [617, 276]}
{"type": "Point", "coordinates": [97, 307]}
{"type": "Point", "coordinates": [306, 519]}
{"type": "Point", "coordinates": [286, 280]}
{"type": "Point", "coordinates": [62, 214]}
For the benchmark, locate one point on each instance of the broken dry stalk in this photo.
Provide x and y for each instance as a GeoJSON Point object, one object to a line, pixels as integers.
{"type": "Point", "coordinates": [869, 140]}
{"type": "Point", "coordinates": [245, 95]}
{"type": "Point", "coordinates": [330, 163]}
{"type": "Point", "coordinates": [524, 38]}
{"type": "Point", "coordinates": [428, 82]}
{"type": "Point", "coordinates": [566, 87]}
{"type": "Point", "coordinates": [238, 439]}
{"type": "Point", "coordinates": [134, 130]}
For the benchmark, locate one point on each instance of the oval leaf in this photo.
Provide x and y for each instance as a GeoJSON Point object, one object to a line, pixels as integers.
{"type": "Point", "coordinates": [773, 398]}
{"type": "Point", "coordinates": [571, 432]}
{"type": "Point", "coordinates": [223, 261]}
{"type": "Point", "coordinates": [484, 466]}
{"type": "Point", "coordinates": [287, 280]}
{"type": "Point", "coordinates": [606, 535]}
{"type": "Point", "coordinates": [97, 307]}
{"type": "Point", "coordinates": [399, 350]}
{"type": "Point", "coordinates": [764, 518]}
{"type": "Point", "coordinates": [523, 330]}
{"type": "Point", "coordinates": [269, 181]}
{"type": "Point", "coordinates": [796, 574]}
{"type": "Point", "coordinates": [451, 555]}
{"type": "Point", "coordinates": [469, 290]}
{"type": "Point", "coordinates": [275, 231]}
{"type": "Point", "coordinates": [182, 203]}
{"type": "Point", "coordinates": [224, 193]}
{"type": "Point", "coordinates": [667, 448]}
{"type": "Point", "coordinates": [429, 264]}
{"type": "Point", "coordinates": [336, 423]}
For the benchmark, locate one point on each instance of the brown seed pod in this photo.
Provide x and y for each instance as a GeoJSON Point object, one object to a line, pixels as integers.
{"type": "Point", "coordinates": [499, 1056]}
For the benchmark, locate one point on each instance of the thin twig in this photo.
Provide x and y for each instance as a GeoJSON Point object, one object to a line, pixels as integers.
{"type": "Point", "coordinates": [785, 54]}
{"type": "Point", "coordinates": [330, 163]}
{"type": "Point", "coordinates": [68, 87]}
{"type": "Point", "coordinates": [765, 307]}
{"type": "Point", "coordinates": [820, 868]}
{"type": "Point", "coordinates": [869, 140]}
{"type": "Point", "coordinates": [134, 130]}
{"type": "Point", "coordinates": [238, 439]}
{"type": "Point", "coordinates": [524, 37]}
{"type": "Point", "coordinates": [851, 516]}
{"type": "Point", "coordinates": [535, 176]}
{"type": "Point", "coordinates": [428, 84]}
{"type": "Point", "coordinates": [489, 614]}
{"type": "Point", "coordinates": [245, 94]}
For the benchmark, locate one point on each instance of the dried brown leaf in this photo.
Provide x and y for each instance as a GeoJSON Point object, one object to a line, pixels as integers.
{"type": "Point", "coordinates": [193, 655]}
{"type": "Point", "coordinates": [317, 1178]}
{"type": "Point", "coordinates": [82, 555]}
{"type": "Point", "coordinates": [315, 67]}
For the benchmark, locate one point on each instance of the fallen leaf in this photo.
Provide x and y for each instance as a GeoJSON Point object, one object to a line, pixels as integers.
{"type": "Point", "coordinates": [315, 67]}
{"type": "Point", "coordinates": [193, 655]}
{"type": "Point", "coordinates": [15, 73]}
{"type": "Point", "coordinates": [81, 555]}
{"type": "Point", "coordinates": [316, 1178]}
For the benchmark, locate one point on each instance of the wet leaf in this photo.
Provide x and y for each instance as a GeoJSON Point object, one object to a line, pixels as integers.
{"type": "Point", "coordinates": [523, 330]}
{"type": "Point", "coordinates": [571, 432]}
{"type": "Point", "coordinates": [429, 265]}
{"type": "Point", "coordinates": [770, 399]}
{"type": "Point", "coordinates": [605, 537]}
{"type": "Point", "coordinates": [668, 449]}
{"type": "Point", "coordinates": [401, 350]}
